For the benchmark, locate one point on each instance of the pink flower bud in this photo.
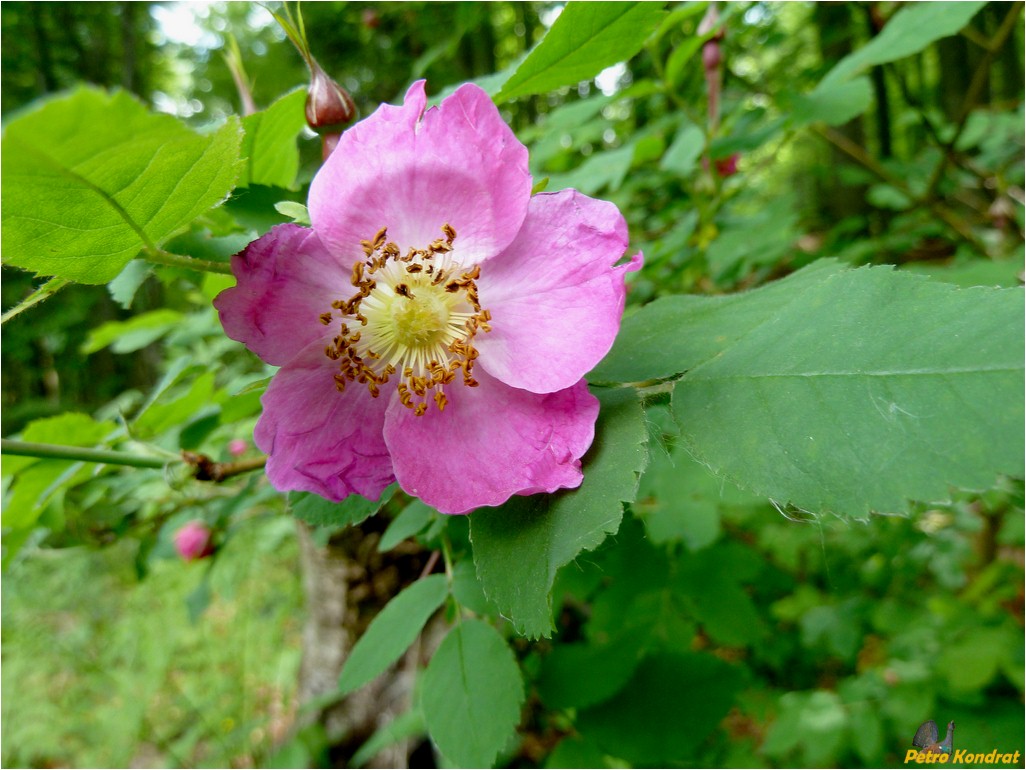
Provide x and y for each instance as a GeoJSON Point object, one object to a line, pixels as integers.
{"type": "Point", "coordinates": [237, 447]}
{"type": "Point", "coordinates": [370, 18]}
{"type": "Point", "coordinates": [328, 106]}
{"type": "Point", "coordinates": [727, 166]}
{"type": "Point", "coordinates": [711, 55]}
{"type": "Point", "coordinates": [193, 541]}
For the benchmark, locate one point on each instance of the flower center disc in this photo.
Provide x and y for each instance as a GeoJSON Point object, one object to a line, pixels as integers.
{"type": "Point", "coordinates": [417, 316]}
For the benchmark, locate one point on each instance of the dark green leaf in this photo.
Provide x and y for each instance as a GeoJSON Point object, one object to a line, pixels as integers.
{"type": "Point", "coordinates": [91, 179]}
{"type": "Point", "coordinates": [665, 712]}
{"type": "Point", "coordinates": [584, 40]}
{"type": "Point", "coordinates": [674, 334]}
{"type": "Point", "coordinates": [869, 388]}
{"type": "Point", "coordinates": [471, 695]}
{"type": "Point", "coordinates": [392, 631]}
{"type": "Point", "coordinates": [318, 512]}
{"type": "Point", "coordinates": [519, 546]}
{"type": "Point", "coordinates": [413, 518]}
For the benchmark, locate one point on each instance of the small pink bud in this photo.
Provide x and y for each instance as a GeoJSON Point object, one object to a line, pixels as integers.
{"type": "Point", "coordinates": [328, 106]}
{"type": "Point", "coordinates": [711, 55]}
{"type": "Point", "coordinates": [193, 541]}
{"type": "Point", "coordinates": [727, 166]}
{"type": "Point", "coordinates": [237, 447]}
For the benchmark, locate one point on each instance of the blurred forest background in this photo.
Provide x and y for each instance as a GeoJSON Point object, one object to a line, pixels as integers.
{"type": "Point", "coordinates": [847, 635]}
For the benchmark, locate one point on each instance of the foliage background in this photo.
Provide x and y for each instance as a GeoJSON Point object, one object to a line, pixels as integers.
{"type": "Point", "coordinates": [760, 639]}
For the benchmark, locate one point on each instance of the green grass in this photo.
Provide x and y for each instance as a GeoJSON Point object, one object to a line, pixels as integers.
{"type": "Point", "coordinates": [103, 670]}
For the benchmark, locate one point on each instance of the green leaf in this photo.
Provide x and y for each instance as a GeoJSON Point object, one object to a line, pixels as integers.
{"type": "Point", "coordinates": [519, 546]}
{"type": "Point", "coordinates": [135, 333]}
{"type": "Point", "coordinates": [392, 631]}
{"type": "Point", "coordinates": [581, 675]}
{"type": "Point", "coordinates": [667, 710]}
{"type": "Point", "coordinates": [297, 212]}
{"type": "Point", "coordinates": [37, 481]}
{"type": "Point", "coordinates": [407, 725]}
{"type": "Point", "coordinates": [910, 31]}
{"type": "Point", "coordinates": [44, 292]}
{"type": "Point", "coordinates": [674, 334]}
{"type": "Point", "coordinates": [685, 151]}
{"type": "Point", "coordinates": [90, 179]}
{"type": "Point", "coordinates": [173, 413]}
{"type": "Point", "coordinates": [833, 104]}
{"type": "Point", "coordinates": [869, 388]}
{"type": "Point", "coordinates": [411, 520]}
{"type": "Point", "coordinates": [123, 288]}
{"type": "Point", "coordinates": [584, 40]}
{"type": "Point", "coordinates": [604, 169]}
{"type": "Point", "coordinates": [471, 695]}
{"type": "Point", "coordinates": [269, 145]}
{"type": "Point", "coordinates": [318, 512]}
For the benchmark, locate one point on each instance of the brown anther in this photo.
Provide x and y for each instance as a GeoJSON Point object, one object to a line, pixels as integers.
{"type": "Point", "coordinates": [379, 238]}
{"type": "Point", "coordinates": [450, 233]}
{"type": "Point", "coordinates": [357, 278]}
{"type": "Point", "coordinates": [325, 318]}
{"type": "Point", "coordinates": [420, 409]}
{"type": "Point", "coordinates": [441, 400]}
{"type": "Point", "coordinates": [452, 287]}
{"type": "Point", "coordinates": [414, 268]}
{"type": "Point", "coordinates": [404, 291]}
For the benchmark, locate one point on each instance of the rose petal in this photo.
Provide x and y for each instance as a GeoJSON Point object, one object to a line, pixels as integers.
{"type": "Point", "coordinates": [554, 295]}
{"type": "Point", "coordinates": [490, 443]}
{"type": "Point", "coordinates": [286, 279]}
{"type": "Point", "coordinates": [458, 164]}
{"type": "Point", "coordinates": [319, 440]}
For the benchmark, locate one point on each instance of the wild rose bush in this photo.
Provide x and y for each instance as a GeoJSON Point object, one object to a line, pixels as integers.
{"type": "Point", "coordinates": [439, 314]}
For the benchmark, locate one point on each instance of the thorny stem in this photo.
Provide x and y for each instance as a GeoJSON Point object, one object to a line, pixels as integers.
{"type": "Point", "coordinates": [161, 257]}
{"type": "Point", "coordinates": [205, 469]}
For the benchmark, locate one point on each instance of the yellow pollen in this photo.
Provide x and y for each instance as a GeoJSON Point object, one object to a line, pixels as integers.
{"type": "Point", "coordinates": [418, 314]}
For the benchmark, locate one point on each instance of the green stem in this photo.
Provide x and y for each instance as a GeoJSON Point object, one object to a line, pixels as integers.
{"type": "Point", "coordinates": [86, 454]}
{"type": "Point", "coordinates": [161, 257]}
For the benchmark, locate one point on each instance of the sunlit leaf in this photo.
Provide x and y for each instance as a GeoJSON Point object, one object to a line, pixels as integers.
{"type": "Point", "coordinates": [584, 40]}
{"type": "Point", "coordinates": [91, 179]}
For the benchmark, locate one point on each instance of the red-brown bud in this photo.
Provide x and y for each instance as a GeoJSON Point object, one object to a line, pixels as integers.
{"type": "Point", "coordinates": [328, 106]}
{"type": "Point", "coordinates": [711, 55]}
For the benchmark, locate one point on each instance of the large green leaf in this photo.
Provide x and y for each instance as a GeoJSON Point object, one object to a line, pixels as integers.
{"type": "Point", "coordinates": [674, 334]}
{"type": "Point", "coordinates": [471, 695]}
{"type": "Point", "coordinates": [318, 512]}
{"type": "Point", "coordinates": [584, 40]}
{"type": "Point", "coordinates": [664, 714]}
{"type": "Point", "coordinates": [90, 179]}
{"type": "Point", "coordinates": [910, 31]}
{"type": "Point", "coordinates": [519, 546]}
{"type": "Point", "coordinates": [392, 631]}
{"type": "Point", "coordinates": [270, 143]}
{"type": "Point", "coordinates": [869, 388]}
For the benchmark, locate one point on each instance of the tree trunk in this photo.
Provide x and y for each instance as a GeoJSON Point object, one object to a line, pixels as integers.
{"type": "Point", "coordinates": [346, 582]}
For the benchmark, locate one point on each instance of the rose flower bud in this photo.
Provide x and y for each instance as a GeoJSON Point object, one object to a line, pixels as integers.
{"type": "Point", "coordinates": [328, 106]}
{"type": "Point", "coordinates": [237, 447]}
{"type": "Point", "coordinates": [194, 541]}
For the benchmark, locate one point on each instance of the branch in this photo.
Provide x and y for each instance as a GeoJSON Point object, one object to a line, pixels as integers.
{"type": "Point", "coordinates": [85, 454]}
{"type": "Point", "coordinates": [203, 468]}
{"type": "Point", "coordinates": [161, 257]}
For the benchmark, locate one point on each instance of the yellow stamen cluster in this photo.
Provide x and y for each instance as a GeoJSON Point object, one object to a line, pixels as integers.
{"type": "Point", "coordinates": [416, 314]}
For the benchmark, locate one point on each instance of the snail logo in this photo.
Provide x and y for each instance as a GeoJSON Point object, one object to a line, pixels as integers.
{"type": "Point", "coordinates": [932, 751]}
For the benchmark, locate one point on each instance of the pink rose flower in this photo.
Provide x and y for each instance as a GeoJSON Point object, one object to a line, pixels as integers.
{"type": "Point", "coordinates": [435, 323]}
{"type": "Point", "coordinates": [193, 541]}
